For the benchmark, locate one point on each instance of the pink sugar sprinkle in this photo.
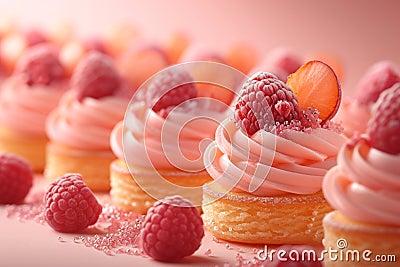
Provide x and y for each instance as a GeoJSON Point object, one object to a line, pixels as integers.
{"type": "Point", "coordinates": [254, 262]}
{"type": "Point", "coordinates": [216, 240]}
{"type": "Point", "coordinates": [208, 252]}
{"type": "Point", "coordinates": [333, 126]}
{"type": "Point", "coordinates": [122, 233]}
{"type": "Point", "coordinates": [309, 118]}
{"type": "Point", "coordinates": [121, 229]}
{"type": "Point", "coordinates": [294, 125]}
{"type": "Point", "coordinates": [228, 247]}
{"type": "Point", "coordinates": [308, 121]}
{"type": "Point", "coordinates": [32, 210]}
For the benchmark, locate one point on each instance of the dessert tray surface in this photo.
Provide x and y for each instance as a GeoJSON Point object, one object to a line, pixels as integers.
{"type": "Point", "coordinates": [28, 241]}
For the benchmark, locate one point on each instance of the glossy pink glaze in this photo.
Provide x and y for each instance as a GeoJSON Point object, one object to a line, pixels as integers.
{"type": "Point", "coordinates": [365, 185]}
{"type": "Point", "coordinates": [267, 165]}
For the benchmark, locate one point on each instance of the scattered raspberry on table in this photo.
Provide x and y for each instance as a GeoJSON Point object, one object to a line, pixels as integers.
{"type": "Point", "coordinates": [172, 229]}
{"type": "Point", "coordinates": [70, 205]}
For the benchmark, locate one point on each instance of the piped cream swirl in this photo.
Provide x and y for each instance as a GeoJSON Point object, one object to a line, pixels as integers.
{"type": "Point", "coordinates": [148, 140]}
{"type": "Point", "coordinates": [365, 185]}
{"type": "Point", "coordinates": [85, 124]}
{"type": "Point", "coordinates": [267, 164]}
{"type": "Point", "coordinates": [25, 108]}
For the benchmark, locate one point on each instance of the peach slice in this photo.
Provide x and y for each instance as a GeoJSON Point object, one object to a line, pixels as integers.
{"type": "Point", "coordinates": [334, 61]}
{"type": "Point", "coordinates": [316, 85]}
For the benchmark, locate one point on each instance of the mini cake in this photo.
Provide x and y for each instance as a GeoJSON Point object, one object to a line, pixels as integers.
{"type": "Point", "coordinates": [364, 189]}
{"type": "Point", "coordinates": [356, 111]}
{"type": "Point", "coordinates": [160, 136]}
{"type": "Point", "coordinates": [26, 99]}
{"type": "Point", "coordinates": [268, 160]}
{"type": "Point", "coordinates": [79, 129]}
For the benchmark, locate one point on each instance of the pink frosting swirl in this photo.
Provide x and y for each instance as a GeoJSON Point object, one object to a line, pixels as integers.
{"type": "Point", "coordinates": [365, 185]}
{"type": "Point", "coordinates": [25, 108]}
{"type": "Point", "coordinates": [177, 142]}
{"type": "Point", "coordinates": [85, 124]}
{"type": "Point", "coordinates": [268, 165]}
{"type": "Point", "coordinates": [353, 116]}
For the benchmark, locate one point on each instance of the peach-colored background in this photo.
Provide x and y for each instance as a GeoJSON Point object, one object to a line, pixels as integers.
{"type": "Point", "coordinates": [360, 32]}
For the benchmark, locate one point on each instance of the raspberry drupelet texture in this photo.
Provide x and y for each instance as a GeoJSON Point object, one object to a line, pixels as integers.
{"type": "Point", "coordinates": [70, 206]}
{"type": "Point", "coordinates": [16, 176]}
{"type": "Point", "coordinates": [383, 128]}
{"type": "Point", "coordinates": [172, 229]}
{"type": "Point", "coordinates": [40, 65]}
{"type": "Point", "coordinates": [263, 101]}
{"type": "Point", "coordinates": [170, 88]}
{"type": "Point", "coordinates": [95, 76]}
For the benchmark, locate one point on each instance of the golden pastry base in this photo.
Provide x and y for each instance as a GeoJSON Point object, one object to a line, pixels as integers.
{"type": "Point", "coordinates": [359, 236]}
{"type": "Point", "coordinates": [127, 194]}
{"type": "Point", "coordinates": [94, 166]}
{"type": "Point", "coordinates": [242, 217]}
{"type": "Point", "coordinates": [32, 148]}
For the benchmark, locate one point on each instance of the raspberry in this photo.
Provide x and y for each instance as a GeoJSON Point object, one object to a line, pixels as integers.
{"type": "Point", "coordinates": [263, 95]}
{"type": "Point", "coordinates": [34, 36]}
{"type": "Point", "coordinates": [379, 77]}
{"type": "Point", "coordinates": [384, 125]}
{"type": "Point", "coordinates": [95, 44]}
{"type": "Point", "coordinates": [40, 65]}
{"type": "Point", "coordinates": [16, 176]}
{"type": "Point", "coordinates": [70, 205]}
{"type": "Point", "coordinates": [172, 229]}
{"type": "Point", "coordinates": [95, 76]}
{"type": "Point", "coordinates": [282, 62]}
{"type": "Point", "coordinates": [168, 89]}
